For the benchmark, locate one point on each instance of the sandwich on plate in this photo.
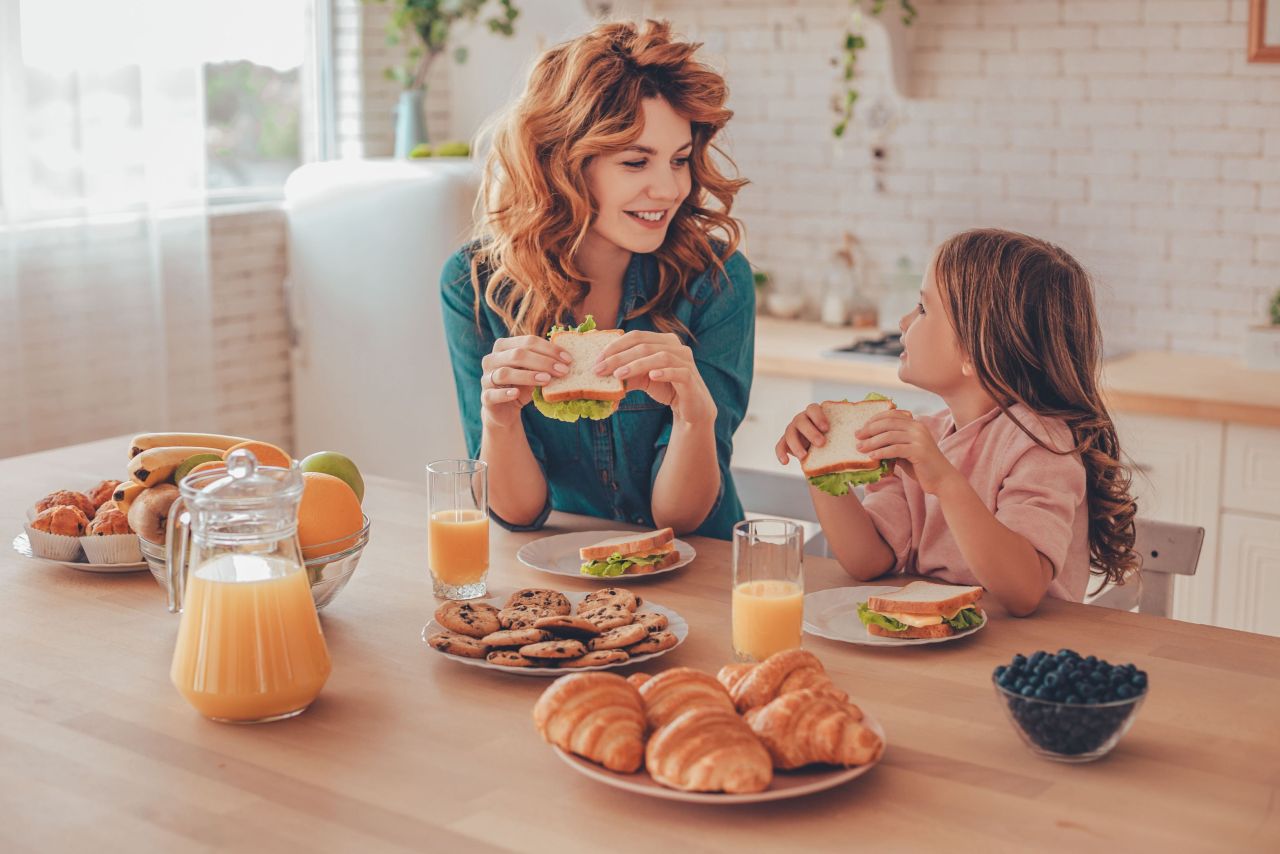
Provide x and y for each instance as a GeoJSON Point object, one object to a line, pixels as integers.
{"type": "Point", "coordinates": [838, 466]}
{"type": "Point", "coordinates": [581, 393]}
{"type": "Point", "coordinates": [633, 554]}
{"type": "Point", "coordinates": [922, 609]}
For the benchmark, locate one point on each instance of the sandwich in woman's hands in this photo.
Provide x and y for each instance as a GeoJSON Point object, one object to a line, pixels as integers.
{"type": "Point", "coordinates": [581, 393]}
{"type": "Point", "coordinates": [922, 609]}
{"type": "Point", "coordinates": [633, 554]}
{"type": "Point", "coordinates": [838, 466]}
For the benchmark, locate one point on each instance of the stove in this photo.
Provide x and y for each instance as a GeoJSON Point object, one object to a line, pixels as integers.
{"type": "Point", "coordinates": [887, 347]}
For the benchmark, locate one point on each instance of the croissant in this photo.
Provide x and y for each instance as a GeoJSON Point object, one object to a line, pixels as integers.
{"type": "Point", "coordinates": [805, 727]}
{"type": "Point", "coordinates": [638, 679]}
{"type": "Point", "coordinates": [753, 685]}
{"type": "Point", "coordinates": [598, 716]}
{"type": "Point", "coordinates": [709, 750]}
{"type": "Point", "coordinates": [678, 690]}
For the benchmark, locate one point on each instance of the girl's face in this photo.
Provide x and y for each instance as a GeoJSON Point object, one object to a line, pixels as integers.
{"type": "Point", "coordinates": [931, 356]}
{"type": "Point", "coordinates": [638, 190]}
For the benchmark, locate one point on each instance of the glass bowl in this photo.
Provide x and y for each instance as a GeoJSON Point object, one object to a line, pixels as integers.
{"type": "Point", "coordinates": [327, 574]}
{"type": "Point", "coordinates": [1068, 732]}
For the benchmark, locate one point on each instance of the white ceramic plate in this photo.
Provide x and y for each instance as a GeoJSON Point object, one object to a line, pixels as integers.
{"type": "Point", "coordinates": [786, 784]}
{"type": "Point", "coordinates": [22, 545]}
{"type": "Point", "coordinates": [833, 614]}
{"type": "Point", "coordinates": [558, 555]}
{"type": "Point", "coordinates": [675, 624]}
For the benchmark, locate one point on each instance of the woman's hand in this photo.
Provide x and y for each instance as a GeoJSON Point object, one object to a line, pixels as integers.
{"type": "Point", "coordinates": [661, 366]}
{"type": "Point", "coordinates": [806, 430]}
{"type": "Point", "coordinates": [510, 373]}
{"type": "Point", "coordinates": [896, 435]}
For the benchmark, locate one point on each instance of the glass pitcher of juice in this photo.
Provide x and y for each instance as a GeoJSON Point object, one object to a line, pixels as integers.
{"type": "Point", "coordinates": [249, 646]}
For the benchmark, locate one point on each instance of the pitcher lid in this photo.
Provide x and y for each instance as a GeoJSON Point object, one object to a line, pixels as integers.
{"type": "Point", "coordinates": [245, 485]}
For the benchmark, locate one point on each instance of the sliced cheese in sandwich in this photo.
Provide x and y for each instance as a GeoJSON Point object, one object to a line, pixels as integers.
{"type": "Point", "coordinates": [838, 466]}
{"type": "Point", "coordinates": [630, 554]}
{"type": "Point", "coordinates": [923, 609]}
{"type": "Point", "coordinates": [581, 393]}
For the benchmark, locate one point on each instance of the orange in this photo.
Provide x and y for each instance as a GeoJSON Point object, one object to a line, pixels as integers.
{"type": "Point", "coordinates": [267, 454]}
{"type": "Point", "coordinates": [209, 466]}
{"type": "Point", "coordinates": [329, 515]}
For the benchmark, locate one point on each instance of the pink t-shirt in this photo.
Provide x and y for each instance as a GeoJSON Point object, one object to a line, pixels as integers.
{"type": "Point", "coordinates": [1031, 490]}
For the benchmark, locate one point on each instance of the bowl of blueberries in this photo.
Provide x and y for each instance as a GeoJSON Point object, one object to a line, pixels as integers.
{"type": "Point", "coordinates": [1067, 707]}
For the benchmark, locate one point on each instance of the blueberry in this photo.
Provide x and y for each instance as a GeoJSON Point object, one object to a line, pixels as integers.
{"type": "Point", "coordinates": [1019, 660]}
{"type": "Point", "coordinates": [1038, 656]}
{"type": "Point", "coordinates": [1001, 670]}
{"type": "Point", "coordinates": [1091, 660]}
{"type": "Point", "coordinates": [1050, 680]}
{"type": "Point", "coordinates": [1073, 699]}
{"type": "Point", "coordinates": [1124, 692]}
{"type": "Point", "coordinates": [1138, 680]}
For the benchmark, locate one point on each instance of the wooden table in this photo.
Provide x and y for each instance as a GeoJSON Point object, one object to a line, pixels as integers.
{"type": "Point", "coordinates": [406, 750]}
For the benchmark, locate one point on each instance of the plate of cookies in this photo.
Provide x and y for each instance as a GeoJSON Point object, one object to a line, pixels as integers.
{"type": "Point", "coordinates": [753, 732]}
{"type": "Point", "coordinates": [541, 632]}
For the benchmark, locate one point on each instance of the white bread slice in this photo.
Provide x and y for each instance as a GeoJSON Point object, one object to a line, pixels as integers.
{"type": "Point", "coordinates": [644, 544]}
{"type": "Point", "coordinates": [841, 451]}
{"type": "Point", "coordinates": [939, 630]}
{"type": "Point", "coordinates": [927, 598]}
{"type": "Point", "coordinates": [582, 383]}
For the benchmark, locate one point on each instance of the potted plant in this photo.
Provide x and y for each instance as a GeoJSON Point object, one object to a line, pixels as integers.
{"type": "Point", "coordinates": [1262, 342]}
{"type": "Point", "coordinates": [425, 25]}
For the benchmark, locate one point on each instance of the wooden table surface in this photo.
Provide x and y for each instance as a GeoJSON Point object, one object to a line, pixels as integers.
{"type": "Point", "coordinates": [407, 750]}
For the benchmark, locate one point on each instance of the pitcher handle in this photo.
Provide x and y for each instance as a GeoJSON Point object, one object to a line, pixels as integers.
{"type": "Point", "coordinates": [177, 550]}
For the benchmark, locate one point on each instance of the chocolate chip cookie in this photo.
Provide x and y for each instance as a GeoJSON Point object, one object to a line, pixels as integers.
{"type": "Point", "coordinates": [475, 619]}
{"type": "Point", "coordinates": [568, 627]}
{"type": "Point", "coordinates": [652, 622]}
{"type": "Point", "coordinates": [510, 658]}
{"type": "Point", "coordinates": [595, 659]}
{"type": "Point", "coordinates": [552, 601]}
{"type": "Point", "coordinates": [457, 644]}
{"type": "Point", "coordinates": [655, 642]}
{"type": "Point", "coordinates": [564, 648]}
{"type": "Point", "coordinates": [609, 616]}
{"type": "Point", "coordinates": [622, 636]}
{"type": "Point", "coordinates": [609, 596]}
{"type": "Point", "coordinates": [515, 638]}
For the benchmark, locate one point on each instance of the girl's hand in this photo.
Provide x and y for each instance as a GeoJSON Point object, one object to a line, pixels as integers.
{"type": "Point", "coordinates": [511, 372]}
{"type": "Point", "coordinates": [808, 429]}
{"type": "Point", "coordinates": [896, 435]}
{"type": "Point", "coordinates": [661, 366]}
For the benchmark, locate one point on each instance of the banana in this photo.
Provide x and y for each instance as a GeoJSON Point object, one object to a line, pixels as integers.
{"type": "Point", "coordinates": [156, 465]}
{"type": "Point", "coordinates": [207, 441]}
{"type": "Point", "coordinates": [125, 493]}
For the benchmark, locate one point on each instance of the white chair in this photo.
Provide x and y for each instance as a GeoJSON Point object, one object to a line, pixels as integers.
{"type": "Point", "coordinates": [781, 495]}
{"type": "Point", "coordinates": [1167, 549]}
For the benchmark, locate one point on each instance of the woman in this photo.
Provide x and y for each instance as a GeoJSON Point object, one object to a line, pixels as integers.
{"type": "Point", "coordinates": [595, 197]}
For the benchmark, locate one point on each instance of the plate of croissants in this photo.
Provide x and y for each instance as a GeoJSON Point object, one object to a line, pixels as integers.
{"type": "Point", "coordinates": [754, 732]}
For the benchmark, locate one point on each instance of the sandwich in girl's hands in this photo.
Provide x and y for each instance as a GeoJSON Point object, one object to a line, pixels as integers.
{"type": "Point", "coordinates": [581, 393]}
{"type": "Point", "coordinates": [923, 609]}
{"type": "Point", "coordinates": [838, 466]}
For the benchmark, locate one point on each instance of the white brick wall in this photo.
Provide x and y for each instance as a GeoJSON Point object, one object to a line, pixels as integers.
{"type": "Point", "coordinates": [1130, 131]}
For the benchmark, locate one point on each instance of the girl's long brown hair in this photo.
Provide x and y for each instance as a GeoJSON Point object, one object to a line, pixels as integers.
{"type": "Point", "coordinates": [1023, 311]}
{"type": "Point", "coordinates": [584, 99]}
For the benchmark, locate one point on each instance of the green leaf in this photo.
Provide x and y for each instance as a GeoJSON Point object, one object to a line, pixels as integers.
{"type": "Point", "coordinates": [843, 482]}
{"type": "Point", "coordinates": [968, 618]}
{"type": "Point", "coordinates": [587, 325]}
{"type": "Point", "coordinates": [618, 565]}
{"type": "Point", "coordinates": [572, 410]}
{"type": "Point", "coordinates": [867, 616]}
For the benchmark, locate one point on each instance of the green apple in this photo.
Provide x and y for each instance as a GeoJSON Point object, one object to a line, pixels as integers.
{"type": "Point", "coordinates": [191, 462]}
{"type": "Point", "coordinates": [331, 462]}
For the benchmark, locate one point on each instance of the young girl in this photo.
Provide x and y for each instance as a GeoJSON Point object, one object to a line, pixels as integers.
{"type": "Point", "coordinates": [602, 197]}
{"type": "Point", "coordinates": [1017, 485]}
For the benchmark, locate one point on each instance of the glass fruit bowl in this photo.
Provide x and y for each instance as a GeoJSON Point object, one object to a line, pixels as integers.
{"type": "Point", "coordinates": [1068, 732]}
{"type": "Point", "coordinates": [328, 574]}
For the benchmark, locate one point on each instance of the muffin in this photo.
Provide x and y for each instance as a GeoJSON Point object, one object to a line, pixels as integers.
{"type": "Point", "coordinates": [109, 539]}
{"type": "Point", "coordinates": [69, 498]}
{"type": "Point", "coordinates": [62, 520]}
{"type": "Point", "coordinates": [108, 521]}
{"type": "Point", "coordinates": [101, 493]}
{"type": "Point", "coordinates": [55, 532]}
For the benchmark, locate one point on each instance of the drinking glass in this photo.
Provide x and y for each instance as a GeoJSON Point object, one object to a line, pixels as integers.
{"type": "Point", "coordinates": [458, 528]}
{"type": "Point", "coordinates": [768, 587]}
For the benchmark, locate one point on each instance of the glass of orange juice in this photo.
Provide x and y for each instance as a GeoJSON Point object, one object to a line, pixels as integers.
{"type": "Point", "coordinates": [458, 528]}
{"type": "Point", "coordinates": [768, 587]}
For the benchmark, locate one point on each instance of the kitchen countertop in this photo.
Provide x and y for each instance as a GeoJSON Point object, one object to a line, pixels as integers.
{"type": "Point", "coordinates": [407, 751]}
{"type": "Point", "coordinates": [1180, 385]}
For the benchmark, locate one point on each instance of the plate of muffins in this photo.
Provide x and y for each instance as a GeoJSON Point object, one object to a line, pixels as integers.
{"type": "Point", "coordinates": [541, 632]}
{"type": "Point", "coordinates": [82, 530]}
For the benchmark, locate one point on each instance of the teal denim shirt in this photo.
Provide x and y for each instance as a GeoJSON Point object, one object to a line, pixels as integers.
{"type": "Point", "coordinates": [607, 468]}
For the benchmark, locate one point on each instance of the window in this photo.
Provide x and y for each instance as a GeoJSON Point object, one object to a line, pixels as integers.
{"type": "Point", "coordinates": [115, 104]}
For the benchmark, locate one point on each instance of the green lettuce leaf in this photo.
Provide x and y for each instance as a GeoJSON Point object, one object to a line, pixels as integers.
{"type": "Point", "coordinates": [867, 616]}
{"type": "Point", "coordinates": [585, 326]}
{"type": "Point", "coordinates": [841, 482]}
{"type": "Point", "coordinates": [969, 618]}
{"type": "Point", "coordinates": [871, 395]}
{"type": "Point", "coordinates": [572, 410]}
{"type": "Point", "coordinates": [618, 565]}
